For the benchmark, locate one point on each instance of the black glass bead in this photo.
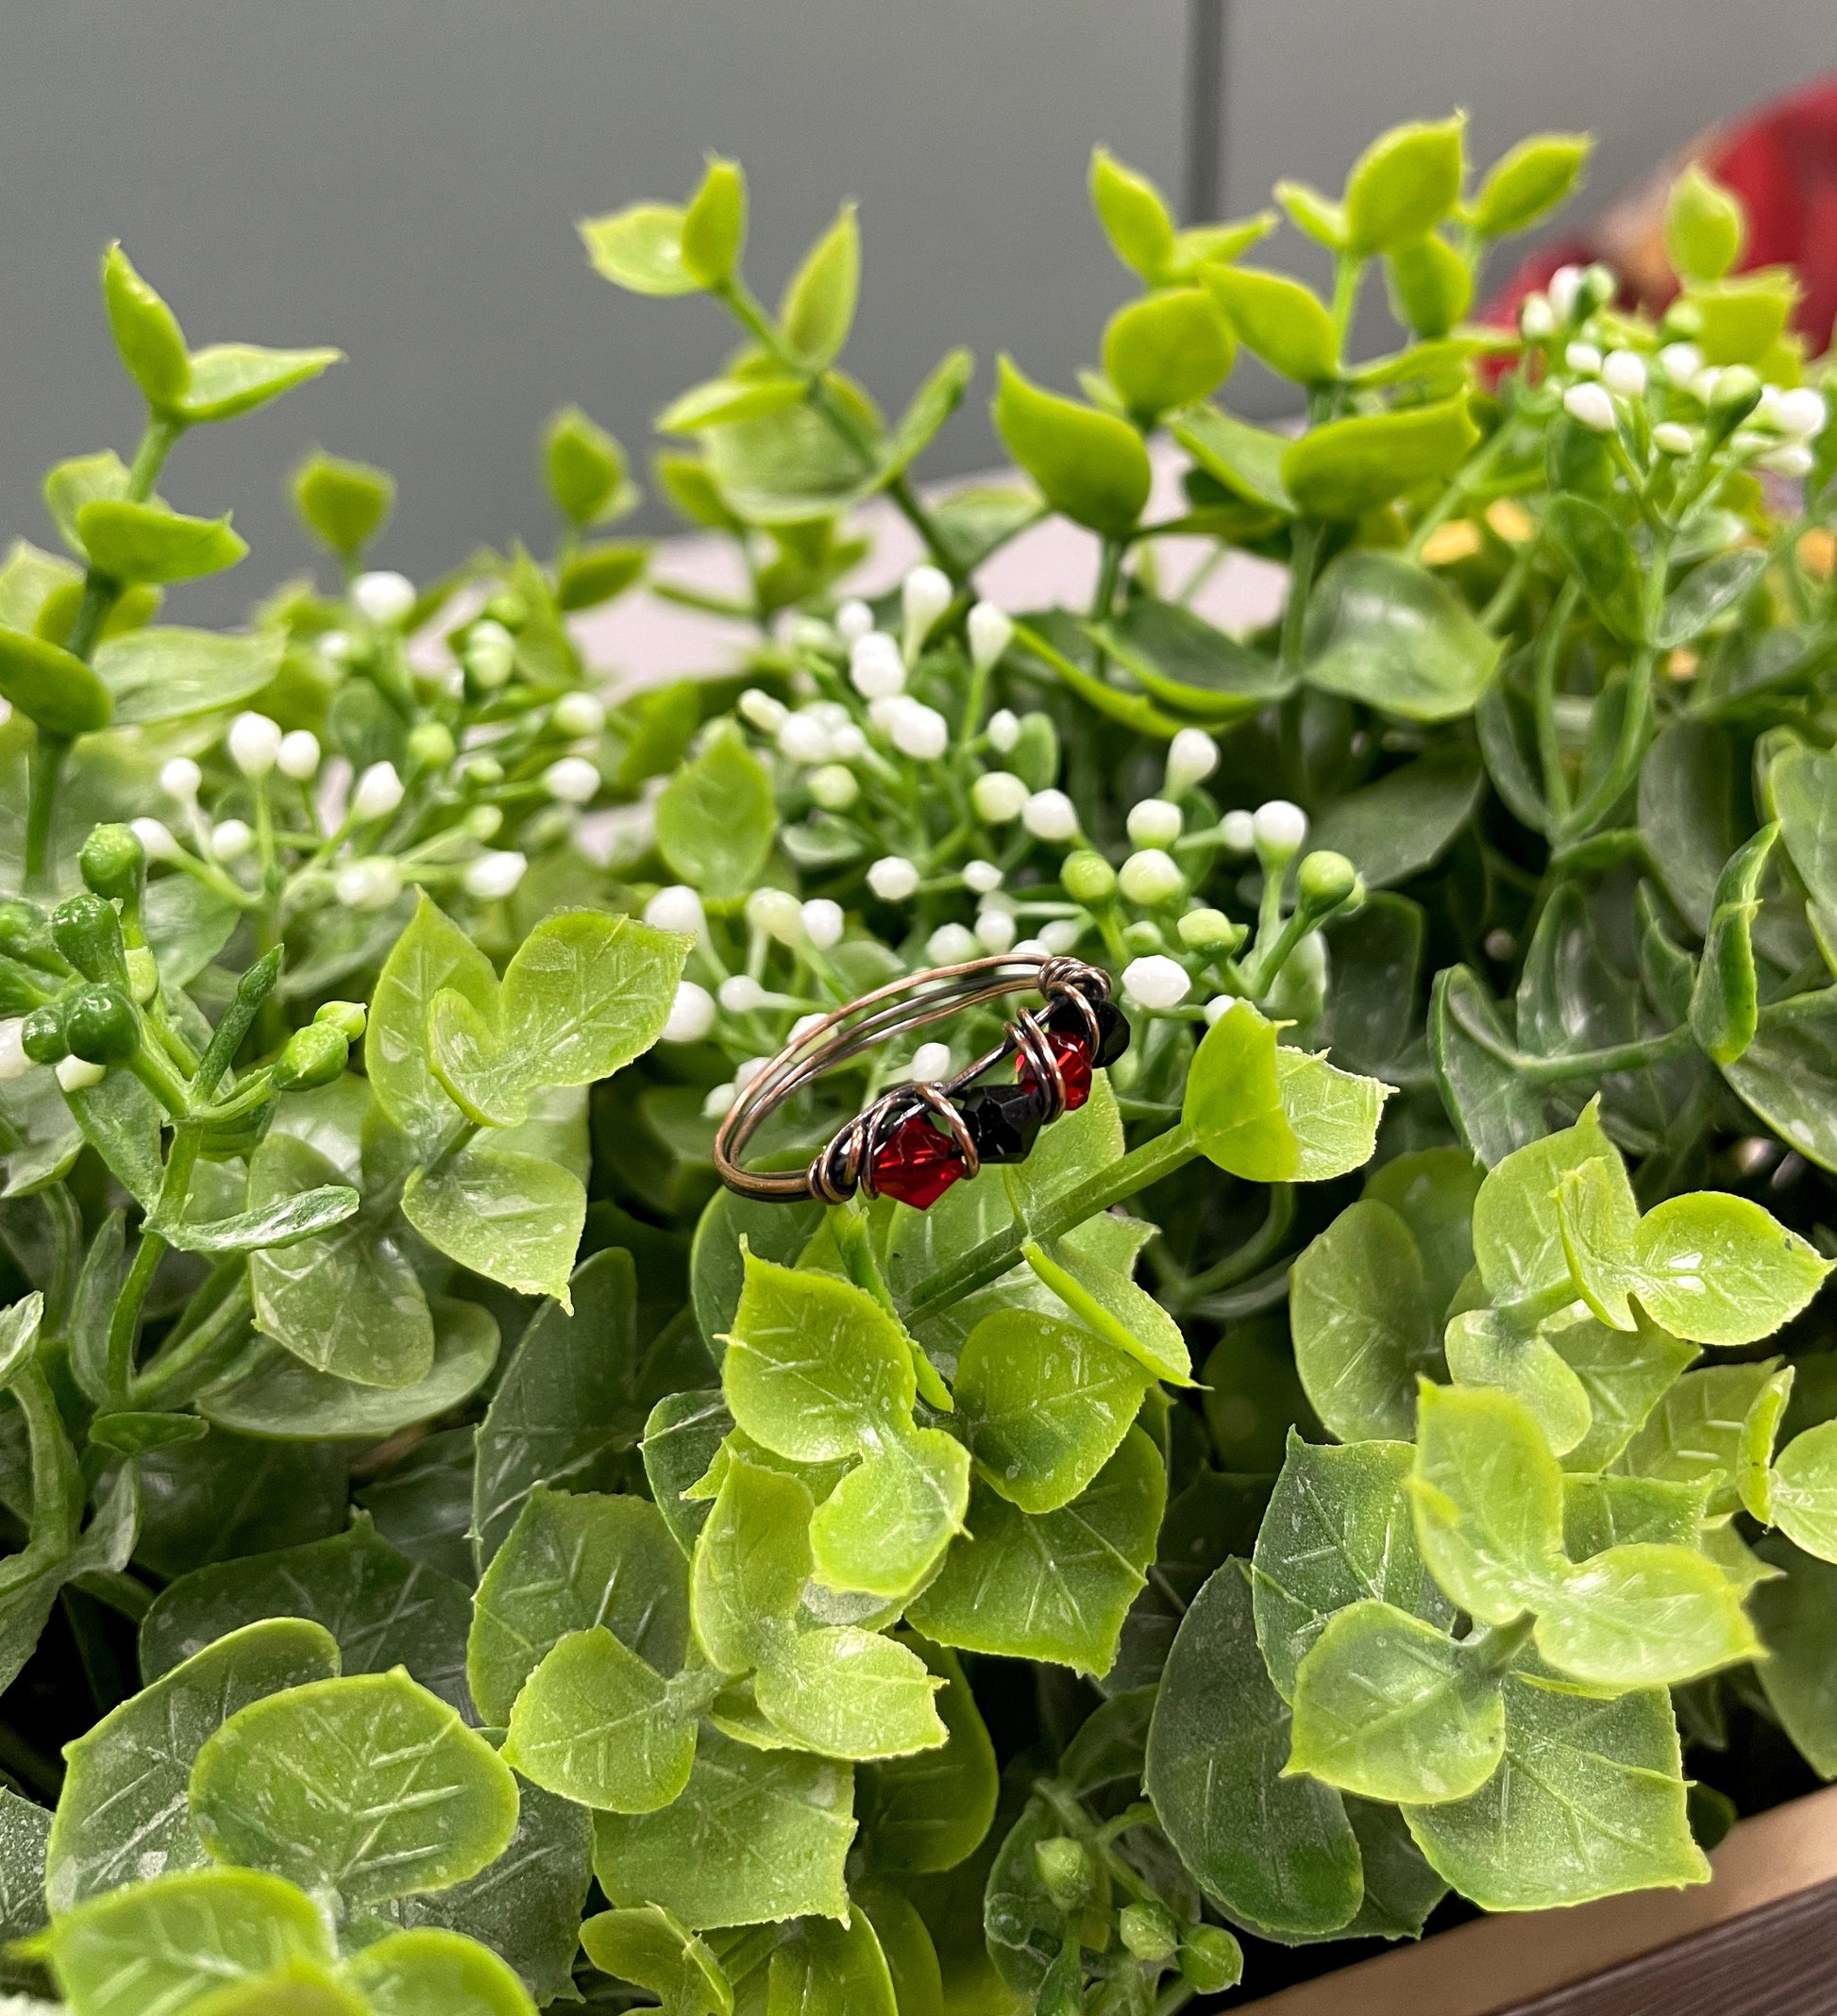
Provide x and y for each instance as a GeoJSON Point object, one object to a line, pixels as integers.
{"type": "Point", "coordinates": [1003, 1120]}
{"type": "Point", "coordinates": [1065, 1017]}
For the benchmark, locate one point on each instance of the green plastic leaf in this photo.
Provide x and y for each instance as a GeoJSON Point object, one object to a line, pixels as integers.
{"type": "Point", "coordinates": [595, 1724]}
{"type": "Point", "coordinates": [1494, 1109]}
{"type": "Point", "coordinates": [823, 1969]}
{"type": "Point", "coordinates": [429, 1972]}
{"type": "Point", "coordinates": [232, 379]}
{"type": "Point", "coordinates": [431, 956]}
{"type": "Point", "coordinates": [751, 1565]}
{"type": "Point", "coordinates": [1284, 322]}
{"type": "Point", "coordinates": [1625, 1376]}
{"type": "Point", "coordinates": [1793, 1610]}
{"type": "Point", "coordinates": [1724, 1011]}
{"type": "Point", "coordinates": [1704, 593]}
{"type": "Point", "coordinates": [1518, 1243]}
{"type": "Point", "coordinates": [1309, 211]}
{"type": "Point", "coordinates": [1334, 1115]}
{"type": "Point", "coordinates": [714, 224]}
{"type": "Point", "coordinates": [1804, 1493]}
{"type": "Point", "coordinates": [342, 503]}
{"type": "Point", "coordinates": [645, 1944]}
{"type": "Point", "coordinates": [1134, 214]}
{"type": "Point", "coordinates": [1363, 1323]}
{"type": "Point", "coordinates": [1721, 1269]}
{"type": "Point", "coordinates": [717, 819]}
{"type": "Point", "coordinates": [51, 686]}
{"type": "Point", "coordinates": [929, 1812]}
{"type": "Point", "coordinates": [1338, 1530]}
{"type": "Point", "coordinates": [368, 1785]}
{"type": "Point", "coordinates": [1246, 460]}
{"type": "Point", "coordinates": [883, 1527]}
{"type": "Point", "coordinates": [722, 402]}
{"type": "Point", "coordinates": [122, 1811]}
{"type": "Point", "coordinates": [515, 1219]}
{"type": "Point", "coordinates": [756, 1836]}
{"type": "Point", "coordinates": [1091, 465]}
{"type": "Point", "coordinates": [931, 406]}
{"type": "Point", "coordinates": [584, 468]}
{"type": "Point", "coordinates": [1382, 629]}
{"type": "Point", "coordinates": [1431, 284]}
{"type": "Point", "coordinates": [1275, 1852]}
{"type": "Point", "coordinates": [1599, 554]}
{"type": "Point", "coordinates": [817, 309]}
{"type": "Point", "coordinates": [844, 1692]}
{"type": "Point", "coordinates": [1599, 1221]}
{"type": "Point", "coordinates": [1233, 1101]}
{"type": "Point", "coordinates": [1698, 1432]}
{"type": "Point", "coordinates": [1528, 181]}
{"type": "Point", "coordinates": [1344, 469]}
{"type": "Point", "coordinates": [640, 249]}
{"type": "Point", "coordinates": [166, 674]}
{"type": "Point", "coordinates": [1485, 1349]}
{"type": "Point", "coordinates": [130, 541]}
{"type": "Point", "coordinates": [1390, 1708]}
{"type": "Point", "coordinates": [1406, 181]}
{"type": "Point", "coordinates": [1166, 350]}
{"type": "Point", "coordinates": [1588, 1802]}
{"type": "Point", "coordinates": [1704, 226]}
{"type": "Point", "coordinates": [1058, 1586]}
{"type": "Point", "coordinates": [1641, 1614]}
{"type": "Point", "coordinates": [1115, 1308]}
{"type": "Point", "coordinates": [146, 332]}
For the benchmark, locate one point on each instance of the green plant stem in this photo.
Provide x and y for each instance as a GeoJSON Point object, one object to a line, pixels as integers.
{"type": "Point", "coordinates": [179, 1357]}
{"type": "Point", "coordinates": [1632, 1056]}
{"type": "Point", "coordinates": [1495, 1646]}
{"type": "Point", "coordinates": [989, 1261]}
{"type": "Point", "coordinates": [1246, 1259]}
{"type": "Point", "coordinates": [66, 1223]}
{"type": "Point", "coordinates": [44, 768]}
{"type": "Point", "coordinates": [173, 1189]}
{"type": "Point", "coordinates": [19, 1759]}
{"type": "Point", "coordinates": [119, 1591]}
{"type": "Point", "coordinates": [1303, 553]}
{"type": "Point", "coordinates": [1549, 654]}
{"type": "Point", "coordinates": [1348, 276]}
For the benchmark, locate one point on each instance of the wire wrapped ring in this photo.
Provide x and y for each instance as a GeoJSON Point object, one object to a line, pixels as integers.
{"type": "Point", "coordinates": [916, 1139]}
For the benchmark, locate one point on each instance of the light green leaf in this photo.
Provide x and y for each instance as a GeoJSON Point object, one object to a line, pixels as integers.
{"type": "Point", "coordinates": [1333, 1114]}
{"type": "Point", "coordinates": [1168, 349]}
{"type": "Point", "coordinates": [1724, 1011]}
{"type": "Point", "coordinates": [1721, 1269]}
{"type": "Point", "coordinates": [431, 956]}
{"type": "Point", "coordinates": [818, 306]}
{"type": "Point", "coordinates": [717, 817]}
{"type": "Point", "coordinates": [843, 1692]}
{"type": "Point", "coordinates": [1115, 1308]}
{"type": "Point", "coordinates": [1385, 631]}
{"type": "Point", "coordinates": [1246, 460]}
{"type": "Point", "coordinates": [1284, 322]}
{"type": "Point", "coordinates": [750, 1563]}
{"type": "Point", "coordinates": [1233, 1100]}
{"type": "Point", "coordinates": [1134, 214]}
{"type": "Point", "coordinates": [930, 1811]}
{"type": "Point", "coordinates": [345, 504]}
{"type": "Point", "coordinates": [1485, 1350]}
{"type": "Point", "coordinates": [1625, 1377]}
{"type": "Point", "coordinates": [51, 686]}
{"type": "Point", "coordinates": [1599, 1221]}
{"type": "Point", "coordinates": [1641, 1615]}
{"type": "Point", "coordinates": [168, 675]}
{"type": "Point", "coordinates": [1517, 1235]}
{"type": "Point", "coordinates": [1363, 1324]}
{"type": "Point", "coordinates": [133, 542]}
{"type": "Point", "coordinates": [640, 248]}
{"type": "Point", "coordinates": [596, 1725]}
{"type": "Point", "coordinates": [232, 379]}
{"type": "Point", "coordinates": [146, 332]}
{"type": "Point", "coordinates": [1494, 1109]}
{"type": "Point", "coordinates": [1344, 469]}
{"type": "Point", "coordinates": [429, 1972]}
{"type": "Point", "coordinates": [1804, 1493]}
{"type": "Point", "coordinates": [284, 1222]}
{"type": "Point", "coordinates": [1603, 1512]}
{"type": "Point", "coordinates": [1696, 1432]}
{"type": "Point", "coordinates": [822, 1969]}
{"type": "Point", "coordinates": [647, 1945]}
{"type": "Point", "coordinates": [1794, 1611]}
{"type": "Point", "coordinates": [1404, 183]}
{"type": "Point", "coordinates": [1528, 182]}
{"type": "Point", "coordinates": [510, 1218]}
{"type": "Point", "coordinates": [883, 1527]}
{"type": "Point", "coordinates": [1091, 465]}
{"type": "Point", "coordinates": [720, 402]}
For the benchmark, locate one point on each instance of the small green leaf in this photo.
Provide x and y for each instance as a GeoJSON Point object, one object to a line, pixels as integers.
{"type": "Point", "coordinates": [1793, 1609]}
{"type": "Point", "coordinates": [1134, 214]}
{"type": "Point", "coordinates": [1344, 469]}
{"type": "Point", "coordinates": [1485, 1349]}
{"type": "Point", "coordinates": [344, 503]}
{"type": "Point", "coordinates": [1383, 630]}
{"type": "Point", "coordinates": [1698, 1429]}
{"type": "Point", "coordinates": [513, 1218]}
{"type": "Point", "coordinates": [432, 955]}
{"type": "Point", "coordinates": [1705, 225]}
{"type": "Point", "coordinates": [1320, 216]}
{"type": "Point", "coordinates": [1246, 460]}
{"type": "Point", "coordinates": [930, 1812]}
{"type": "Point", "coordinates": [1641, 1615]}
{"type": "Point", "coordinates": [1166, 350]}
{"type": "Point", "coordinates": [1431, 285]}
{"type": "Point", "coordinates": [429, 1972]}
{"type": "Point", "coordinates": [1725, 1002]}
{"type": "Point", "coordinates": [1599, 554]}
{"type": "Point", "coordinates": [1528, 181]}
{"type": "Point", "coordinates": [1599, 1221]}
{"type": "Point", "coordinates": [282, 1221]}
{"type": "Point", "coordinates": [1091, 465]}
{"type": "Point", "coordinates": [1364, 1326]}
{"type": "Point", "coordinates": [1721, 1269]}
{"type": "Point", "coordinates": [594, 573]}
{"type": "Point", "coordinates": [1333, 1114]}
{"type": "Point", "coordinates": [130, 541]}
{"type": "Point", "coordinates": [1233, 1101]}
{"type": "Point", "coordinates": [1494, 1109]}
{"type": "Point", "coordinates": [584, 468]}
{"type": "Point", "coordinates": [932, 405]}
{"type": "Point", "coordinates": [1518, 1243]}
{"type": "Point", "coordinates": [1284, 322]}
{"type": "Point", "coordinates": [640, 249]}
{"type": "Point", "coordinates": [1115, 1308]}
{"type": "Point", "coordinates": [146, 332]}
{"type": "Point", "coordinates": [232, 379]}
{"type": "Point", "coordinates": [170, 675]}
{"type": "Point", "coordinates": [1404, 183]}
{"type": "Point", "coordinates": [883, 1527]}
{"type": "Point", "coordinates": [1191, 664]}
{"type": "Point", "coordinates": [647, 1945]}
{"type": "Point", "coordinates": [1804, 1492]}
{"type": "Point", "coordinates": [843, 1692]}
{"type": "Point", "coordinates": [596, 1725]}
{"type": "Point", "coordinates": [751, 1565]}
{"type": "Point", "coordinates": [723, 402]}
{"type": "Point", "coordinates": [51, 686]}
{"type": "Point", "coordinates": [1625, 1376]}
{"type": "Point", "coordinates": [717, 817]}
{"type": "Point", "coordinates": [367, 1785]}
{"type": "Point", "coordinates": [817, 309]}
{"type": "Point", "coordinates": [714, 224]}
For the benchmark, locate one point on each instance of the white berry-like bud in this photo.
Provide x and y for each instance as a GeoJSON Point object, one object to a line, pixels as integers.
{"type": "Point", "coordinates": [1591, 406]}
{"type": "Point", "coordinates": [1537, 321]}
{"type": "Point", "coordinates": [483, 822]}
{"type": "Point", "coordinates": [1565, 290]}
{"type": "Point", "coordinates": [156, 839]}
{"type": "Point", "coordinates": [803, 738]}
{"type": "Point", "coordinates": [1004, 730]}
{"type": "Point", "coordinates": [1192, 756]}
{"type": "Point", "coordinates": [765, 713]}
{"type": "Point", "coordinates": [230, 839]}
{"type": "Point", "coordinates": [719, 1101]}
{"type": "Point", "coordinates": [777, 913]}
{"type": "Point", "coordinates": [930, 1061]}
{"type": "Point", "coordinates": [1219, 1005]}
{"type": "Point", "coordinates": [372, 884]}
{"type": "Point", "coordinates": [952, 944]}
{"type": "Point", "coordinates": [1673, 437]}
{"type": "Point", "coordinates": [15, 1063]}
{"type": "Point", "coordinates": [492, 876]}
{"type": "Point", "coordinates": [1623, 371]}
{"type": "Point", "coordinates": [1582, 357]}
{"type": "Point", "coordinates": [893, 878]}
{"type": "Point", "coordinates": [999, 796]}
{"type": "Point", "coordinates": [996, 930]}
{"type": "Point", "coordinates": [1150, 877]}
{"type": "Point", "coordinates": [336, 645]}
{"type": "Point", "coordinates": [990, 630]}
{"type": "Point", "coordinates": [982, 876]}
{"type": "Point", "coordinates": [1238, 829]}
{"type": "Point", "coordinates": [1703, 384]}
{"type": "Point", "coordinates": [822, 922]}
{"type": "Point", "coordinates": [253, 743]}
{"type": "Point", "coordinates": [846, 744]}
{"type": "Point", "coordinates": [1059, 935]}
{"type": "Point", "coordinates": [920, 733]}
{"type": "Point", "coordinates": [1682, 361]}
{"type": "Point", "coordinates": [803, 1025]}
{"type": "Point", "coordinates": [573, 779]}
{"type": "Point", "coordinates": [298, 755]}
{"type": "Point", "coordinates": [1278, 827]}
{"type": "Point", "coordinates": [1156, 982]}
{"type": "Point", "coordinates": [1794, 460]}
{"type": "Point", "coordinates": [378, 792]}
{"type": "Point", "coordinates": [834, 787]}
{"type": "Point", "coordinates": [1154, 822]}
{"type": "Point", "coordinates": [1802, 413]}
{"type": "Point", "coordinates": [925, 595]}
{"type": "Point", "coordinates": [691, 1013]}
{"type": "Point", "coordinates": [876, 669]}
{"type": "Point", "coordinates": [179, 778]}
{"type": "Point", "coordinates": [74, 1075]}
{"type": "Point", "coordinates": [384, 598]}
{"type": "Point", "coordinates": [745, 1074]}
{"type": "Point", "coordinates": [1050, 816]}
{"type": "Point", "coordinates": [5, 710]}
{"type": "Point", "coordinates": [853, 620]}
{"type": "Point", "coordinates": [484, 771]}
{"type": "Point", "coordinates": [580, 713]}
{"type": "Point", "coordinates": [741, 994]}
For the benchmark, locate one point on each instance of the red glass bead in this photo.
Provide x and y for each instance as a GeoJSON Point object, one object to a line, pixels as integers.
{"type": "Point", "coordinates": [917, 1164]}
{"type": "Point", "coordinates": [1073, 1053]}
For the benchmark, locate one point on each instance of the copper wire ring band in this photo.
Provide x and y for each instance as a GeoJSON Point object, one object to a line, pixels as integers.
{"type": "Point", "coordinates": [844, 1164]}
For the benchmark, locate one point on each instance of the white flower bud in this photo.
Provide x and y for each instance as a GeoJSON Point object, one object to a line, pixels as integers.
{"type": "Point", "coordinates": [803, 1025]}
{"type": "Point", "coordinates": [579, 713]}
{"type": "Point", "coordinates": [833, 787]}
{"type": "Point", "coordinates": [573, 779]}
{"type": "Point", "coordinates": [336, 646]}
{"type": "Point", "coordinates": [1703, 384]}
{"type": "Point", "coordinates": [1590, 405]}
{"type": "Point", "coordinates": [372, 884]}
{"type": "Point", "coordinates": [385, 598]}
{"type": "Point", "coordinates": [1156, 982]}
{"type": "Point", "coordinates": [1682, 361]}
{"type": "Point", "coordinates": [1537, 320]}
{"type": "Point", "coordinates": [492, 876]}
{"type": "Point", "coordinates": [1219, 1005]}
{"type": "Point", "coordinates": [298, 755]}
{"type": "Point", "coordinates": [1794, 460]}
{"type": "Point", "coordinates": [1050, 816]}
{"type": "Point", "coordinates": [15, 1063]}
{"type": "Point", "coordinates": [952, 944]}
{"type": "Point", "coordinates": [230, 839]}
{"type": "Point", "coordinates": [741, 994]}
{"type": "Point", "coordinates": [1278, 827]}
{"type": "Point", "coordinates": [822, 922]}
{"type": "Point", "coordinates": [884, 710]}
{"type": "Point", "coordinates": [483, 822]}
{"type": "Point", "coordinates": [930, 1061]}
{"type": "Point", "coordinates": [1004, 730]}
{"type": "Point", "coordinates": [1192, 756]}
{"type": "Point", "coordinates": [1623, 371]}
{"type": "Point", "coordinates": [1671, 437]}
{"type": "Point", "coordinates": [765, 713]}
{"type": "Point", "coordinates": [920, 733]}
{"type": "Point", "coordinates": [1238, 829]}
{"type": "Point", "coordinates": [803, 738]}
{"type": "Point", "coordinates": [253, 743]}
{"type": "Point", "coordinates": [925, 595]}
{"type": "Point", "coordinates": [179, 778]}
{"type": "Point", "coordinates": [1582, 357]}
{"type": "Point", "coordinates": [719, 1101]}
{"type": "Point", "coordinates": [982, 876]}
{"type": "Point", "coordinates": [777, 913]}
{"type": "Point", "coordinates": [996, 930]}
{"type": "Point", "coordinates": [156, 837]}
{"type": "Point", "coordinates": [846, 744]}
{"type": "Point", "coordinates": [1031, 949]}
{"type": "Point", "coordinates": [378, 792]}
{"type": "Point", "coordinates": [1059, 935]}
{"type": "Point", "coordinates": [1565, 290]}
{"type": "Point", "coordinates": [691, 1013]}
{"type": "Point", "coordinates": [745, 1074]}
{"type": "Point", "coordinates": [853, 620]}
{"type": "Point", "coordinates": [893, 878]}
{"type": "Point", "coordinates": [876, 669]}
{"type": "Point", "coordinates": [1802, 413]}
{"type": "Point", "coordinates": [1154, 822]}
{"type": "Point", "coordinates": [74, 1075]}
{"type": "Point", "coordinates": [991, 630]}
{"type": "Point", "coordinates": [999, 796]}
{"type": "Point", "coordinates": [1150, 877]}
{"type": "Point", "coordinates": [5, 710]}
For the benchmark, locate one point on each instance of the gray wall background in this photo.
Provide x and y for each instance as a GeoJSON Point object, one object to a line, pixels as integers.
{"type": "Point", "coordinates": [402, 177]}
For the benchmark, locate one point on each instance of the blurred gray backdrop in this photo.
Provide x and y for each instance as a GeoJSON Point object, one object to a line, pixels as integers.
{"type": "Point", "coordinates": [402, 177]}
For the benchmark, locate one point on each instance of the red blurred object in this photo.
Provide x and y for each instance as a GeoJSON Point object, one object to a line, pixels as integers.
{"type": "Point", "coordinates": [1782, 161]}
{"type": "Point", "coordinates": [917, 1164]}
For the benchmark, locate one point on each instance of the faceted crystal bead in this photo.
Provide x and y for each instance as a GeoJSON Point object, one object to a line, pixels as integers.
{"type": "Point", "coordinates": [1003, 1120]}
{"type": "Point", "coordinates": [917, 1163]}
{"type": "Point", "coordinates": [1064, 1016]}
{"type": "Point", "coordinates": [1073, 1053]}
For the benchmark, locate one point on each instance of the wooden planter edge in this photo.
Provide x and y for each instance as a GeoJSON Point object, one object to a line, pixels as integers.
{"type": "Point", "coordinates": [1502, 1963]}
